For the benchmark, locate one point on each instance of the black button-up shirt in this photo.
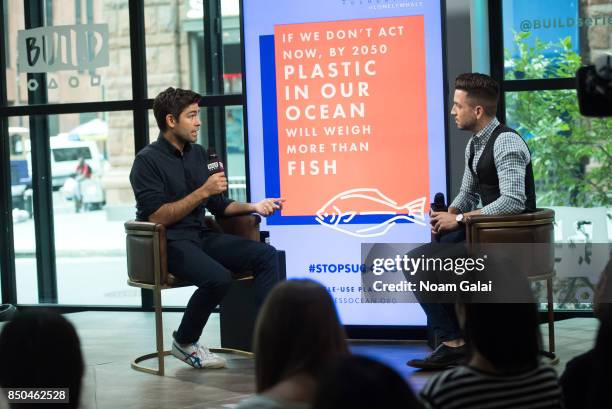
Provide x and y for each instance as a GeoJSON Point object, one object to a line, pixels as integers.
{"type": "Point", "coordinates": [162, 174]}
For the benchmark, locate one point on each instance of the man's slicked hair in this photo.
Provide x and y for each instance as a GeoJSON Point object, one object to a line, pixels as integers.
{"type": "Point", "coordinates": [172, 101]}
{"type": "Point", "coordinates": [481, 90]}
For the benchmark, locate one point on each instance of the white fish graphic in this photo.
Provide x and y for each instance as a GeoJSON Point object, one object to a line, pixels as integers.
{"type": "Point", "coordinates": [337, 214]}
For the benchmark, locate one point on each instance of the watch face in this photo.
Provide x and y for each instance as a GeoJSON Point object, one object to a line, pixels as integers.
{"type": "Point", "coordinates": [459, 217]}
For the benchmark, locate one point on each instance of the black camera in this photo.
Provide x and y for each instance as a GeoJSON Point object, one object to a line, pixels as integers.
{"type": "Point", "coordinates": [595, 87]}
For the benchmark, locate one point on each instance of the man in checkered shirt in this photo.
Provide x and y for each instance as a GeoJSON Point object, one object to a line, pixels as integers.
{"type": "Point", "coordinates": [497, 173]}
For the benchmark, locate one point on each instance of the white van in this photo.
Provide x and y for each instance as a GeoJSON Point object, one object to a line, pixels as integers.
{"type": "Point", "coordinates": [65, 155]}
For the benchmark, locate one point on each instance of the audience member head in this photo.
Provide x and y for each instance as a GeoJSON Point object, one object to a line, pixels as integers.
{"type": "Point", "coordinates": [41, 349]}
{"type": "Point", "coordinates": [359, 382]}
{"type": "Point", "coordinates": [297, 332]}
{"type": "Point", "coordinates": [599, 374]}
{"type": "Point", "coordinates": [506, 335]}
{"type": "Point", "coordinates": [172, 101]}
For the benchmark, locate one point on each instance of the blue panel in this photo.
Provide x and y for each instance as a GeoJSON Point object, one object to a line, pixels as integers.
{"type": "Point", "coordinates": [547, 20]}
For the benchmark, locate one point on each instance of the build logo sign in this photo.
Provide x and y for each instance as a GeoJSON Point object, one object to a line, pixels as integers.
{"type": "Point", "coordinates": [82, 47]}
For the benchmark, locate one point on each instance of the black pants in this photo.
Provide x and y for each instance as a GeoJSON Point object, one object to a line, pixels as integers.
{"type": "Point", "coordinates": [441, 317]}
{"type": "Point", "coordinates": [207, 263]}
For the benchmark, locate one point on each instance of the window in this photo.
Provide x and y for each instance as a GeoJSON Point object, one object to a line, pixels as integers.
{"type": "Point", "coordinates": [49, 13]}
{"type": "Point", "coordinates": [102, 73]}
{"type": "Point", "coordinates": [90, 151]}
{"type": "Point", "coordinates": [176, 53]}
{"type": "Point", "coordinates": [16, 91]}
{"type": "Point", "coordinates": [236, 166]}
{"type": "Point", "coordinates": [544, 43]}
{"type": "Point", "coordinates": [22, 214]}
{"type": "Point", "coordinates": [5, 44]}
{"type": "Point", "coordinates": [570, 162]}
{"type": "Point", "coordinates": [549, 38]}
{"type": "Point", "coordinates": [91, 201]}
{"type": "Point", "coordinates": [232, 48]}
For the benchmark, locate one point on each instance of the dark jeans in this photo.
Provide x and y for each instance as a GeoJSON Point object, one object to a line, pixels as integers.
{"type": "Point", "coordinates": [207, 263]}
{"type": "Point", "coordinates": [441, 317]}
{"type": "Point", "coordinates": [455, 236]}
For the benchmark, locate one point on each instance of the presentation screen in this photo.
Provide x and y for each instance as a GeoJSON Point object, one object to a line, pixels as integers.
{"type": "Point", "coordinates": [345, 121]}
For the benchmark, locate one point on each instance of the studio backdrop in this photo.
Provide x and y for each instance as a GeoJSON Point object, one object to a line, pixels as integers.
{"type": "Point", "coordinates": [345, 120]}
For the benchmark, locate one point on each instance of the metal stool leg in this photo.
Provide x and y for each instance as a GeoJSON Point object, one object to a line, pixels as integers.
{"type": "Point", "coordinates": [551, 324]}
{"type": "Point", "coordinates": [159, 341]}
{"type": "Point", "coordinates": [159, 330]}
{"type": "Point", "coordinates": [551, 316]}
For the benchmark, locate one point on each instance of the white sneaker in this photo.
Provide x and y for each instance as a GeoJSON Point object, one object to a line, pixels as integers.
{"type": "Point", "coordinates": [197, 356]}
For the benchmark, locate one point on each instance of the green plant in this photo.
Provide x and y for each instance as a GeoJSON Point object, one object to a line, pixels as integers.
{"type": "Point", "coordinates": [571, 154]}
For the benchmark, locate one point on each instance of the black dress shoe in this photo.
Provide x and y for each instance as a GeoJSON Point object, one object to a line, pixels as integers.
{"type": "Point", "coordinates": [441, 358]}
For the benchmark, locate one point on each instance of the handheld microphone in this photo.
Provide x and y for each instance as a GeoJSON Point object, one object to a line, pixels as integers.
{"type": "Point", "coordinates": [214, 164]}
{"type": "Point", "coordinates": [439, 204]}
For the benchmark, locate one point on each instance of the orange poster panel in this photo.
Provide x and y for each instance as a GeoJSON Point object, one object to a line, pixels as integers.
{"type": "Point", "coordinates": [351, 100]}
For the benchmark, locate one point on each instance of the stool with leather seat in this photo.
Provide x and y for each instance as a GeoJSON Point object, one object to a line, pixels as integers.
{"type": "Point", "coordinates": [148, 269]}
{"type": "Point", "coordinates": [536, 227]}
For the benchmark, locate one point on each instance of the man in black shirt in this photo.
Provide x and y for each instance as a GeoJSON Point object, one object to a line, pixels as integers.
{"type": "Point", "coordinates": [172, 187]}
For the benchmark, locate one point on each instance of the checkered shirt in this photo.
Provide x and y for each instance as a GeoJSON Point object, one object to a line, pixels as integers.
{"type": "Point", "coordinates": [511, 157]}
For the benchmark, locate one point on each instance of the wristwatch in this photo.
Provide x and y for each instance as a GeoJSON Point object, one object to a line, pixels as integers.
{"type": "Point", "coordinates": [459, 218]}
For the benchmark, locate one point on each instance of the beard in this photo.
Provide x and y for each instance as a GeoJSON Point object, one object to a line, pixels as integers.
{"type": "Point", "coordinates": [467, 124]}
{"type": "Point", "coordinates": [185, 136]}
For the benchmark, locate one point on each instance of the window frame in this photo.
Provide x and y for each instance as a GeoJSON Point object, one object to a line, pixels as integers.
{"type": "Point", "coordinates": [496, 50]}
{"type": "Point", "coordinates": [37, 109]}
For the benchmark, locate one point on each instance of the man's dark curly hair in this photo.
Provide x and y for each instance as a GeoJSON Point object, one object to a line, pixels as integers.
{"type": "Point", "coordinates": [481, 90]}
{"type": "Point", "coordinates": [172, 101]}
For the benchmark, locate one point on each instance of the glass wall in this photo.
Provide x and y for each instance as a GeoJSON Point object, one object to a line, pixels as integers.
{"type": "Point", "coordinates": [83, 53]}
{"type": "Point", "coordinates": [551, 38]}
{"type": "Point", "coordinates": [538, 44]}
{"type": "Point", "coordinates": [83, 47]}
{"type": "Point", "coordinates": [548, 41]}
{"type": "Point", "coordinates": [176, 50]}
{"type": "Point", "coordinates": [236, 167]}
{"type": "Point", "coordinates": [232, 48]}
{"type": "Point", "coordinates": [22, 215]}
{"type": "Point", "coordinates": [570, 152]}
{"type": "Point", "coordinates": [90, 159]}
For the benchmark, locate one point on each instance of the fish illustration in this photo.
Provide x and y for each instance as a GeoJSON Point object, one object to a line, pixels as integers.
{"type": "Point", "coordinates": [337, 213]}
